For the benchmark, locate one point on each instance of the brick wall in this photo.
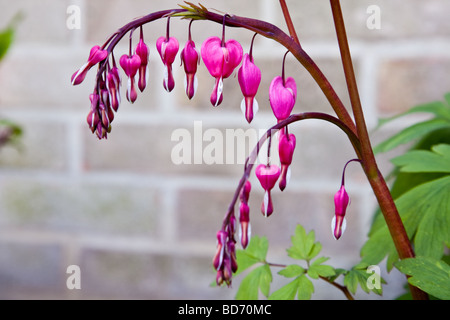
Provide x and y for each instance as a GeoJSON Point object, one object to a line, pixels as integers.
{"type": "Point", "coordinates": [140, 226]}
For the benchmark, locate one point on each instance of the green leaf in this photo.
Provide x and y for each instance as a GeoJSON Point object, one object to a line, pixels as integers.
{"type": "Point", "coordinates": [412, 133]}
{"type": "Point", "coordinates": [322, 270]}
{"type": "Point", "coordinates": [286, 292]}
{"type": "Point", "coordinates": [254, 253]}
{"type": "Point", "coordinates": [428, 274]}
{"type": "Point", "coordinates": [305, 288]}
{"type": "Point", "coordinates": [436, 160]}
{"type": "Point", "coordinates": [424, 212]}
{"type": "Point", "coordinates": [300, 286]}
{"type": "Point", "coordinates": [7, 34]}
{"type": "Point", "coordinates": [258, 279]}
{"type": "Point", "coordinates": [303, 245]}
{"type": "Point", "coordinates": [438, 108]}
{"type": "Point", "coordinates": [361, 275]}
{"type": "Point", "coordinates": [292, 271]}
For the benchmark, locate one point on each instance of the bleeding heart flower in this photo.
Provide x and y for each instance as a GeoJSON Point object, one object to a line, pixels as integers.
{"type": "Point", "coordinates": [168, 49]}
{"type": "Point", "coordinates": [113, 82]}
{"type": "Point", "coordinates": [282, 96]}
{"type": "Point", "coordinates": [267, 176]}
{"type": "Point", "coordinates": [249, 77]}
{"type": "Point", "coordinates": [95, 56]}
{"type": "Point", "coordinates": [130, 64]}
{"type": "Point", "coordinates": [286, 146]}
{"type": "Point", "coordinates": [143, 53]}
{"type": "Point", "coordinates": [218, 257]}
{"type": "Point", "coordinates": [190, 60]}
{"type": "Point", "coordinates": [93, 118]}
{"type": "Point", "coordinates": [220, 58]}
{"type": "Point", "coordinates": [338, 224]}
{"type": "Point", "coordinates": [244, 216]}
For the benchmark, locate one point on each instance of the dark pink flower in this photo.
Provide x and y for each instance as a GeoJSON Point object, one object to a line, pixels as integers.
{"type": "Point", "coordinates": [93, 118]}
{"type": "Point", "coordinates": [168, 49]}
{"type": "Point", "coordinates": [221, 242]}
{"type": "Point", "coordinates": [244, 216]}
{"type": "Point", "coordinates": [131, 64]}
{"type": "Point", "coordinates": [286, 146]}
{"type": "Point", "coordinates": [249, 77]}
{"type": "Point", "coordinates": [338, 224]}
{"type": "Point", "coordinates": [190, 59]}
{"type": "Point", "coordinates": [267, 176]}
{"type": "Point", "coordinates": [220, 58]}
{"type": "Point", "coordinates": [113, 82]}
{"type": "Point", "coordinates": [282, 96]}
{"type": "Point", "coordinates": [143, 53]}
{"type": "Point", "coordinates": [95, 56]}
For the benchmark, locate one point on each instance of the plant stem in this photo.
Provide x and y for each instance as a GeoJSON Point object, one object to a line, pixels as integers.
{"type": "Point", "coordinates": [344, 289]}
{"type": "Point", "coordinates": [376, 180]}
{"type": "Point", "coordinates": [287, 18]}
{"type": "Point", "coordinates": [250, 161]}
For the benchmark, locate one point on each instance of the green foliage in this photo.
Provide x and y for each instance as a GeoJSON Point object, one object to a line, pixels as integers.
{"type": "Point", "coordinates": [429, 274]}
{"type": "Point", "coordinates": [421, 191]}
{"type": "Point", "coordinates": [358, 275]}
{"type": "Point", "coordinates": [7, 35]}
{"type": "Point", "coordinates": [301, 286]}
{"type": "Point", "coordinates": [9, 131]}
{"type": "Point", "coordinates": [259, 278]}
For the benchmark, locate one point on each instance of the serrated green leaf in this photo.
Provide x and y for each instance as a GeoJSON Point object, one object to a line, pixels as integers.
{"type": "Point", "coordinates": [428, 274]}
{"type": "Point", "coordinates": [319, 260]}
{"type": "Point", "coordinates": [291, 271]}
{"type": "Point", "coordinates": [424, 212]}
{"type": "Point", "coordinates": [437, 108]}
{"type": "Point", "coordinates": [303, 245]}
{"type": "Point", "coordinates": [255, 252]}
{"type": "Point", "coordinates": [360, 277]}
{"type": "Point", "coordinates": [412, 133]}
{"type": "Point", "coordinates": [436, 160]}
{"type": "Point", "coordinates": [312, 273]}
{"type": "Point", "coordinates": [324, 270]}
{"type": "Point", "coordinates": [257, 280]}
{"type": "Point", "coordinates": [305, 288]}
{"type": "Point", "coordinates": [286, 292]}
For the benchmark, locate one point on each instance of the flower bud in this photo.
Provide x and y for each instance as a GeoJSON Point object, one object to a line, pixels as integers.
{"type": "Point", "coordinates": [338, 224]}
{"type": "Point", "coordinates": [190, 59]}
{"type": "Point", "coordinates": [95, 56]}
{"type": "Point", "coordinates": [249, 77]}
{"type": "Point", "coordinates": [267, 176]}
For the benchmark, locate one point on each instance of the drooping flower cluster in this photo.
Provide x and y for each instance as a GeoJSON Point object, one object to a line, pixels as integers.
{"type": "Point", "coordinates": [221, 57]}
{"type": "Point", "coordinates": [224, 260]}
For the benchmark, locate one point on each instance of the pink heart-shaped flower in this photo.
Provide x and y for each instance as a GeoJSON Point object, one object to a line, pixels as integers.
{"type": "Point", "coordinates": [221, 60]}
{"type": "Point", "coordinates": [168, 49]}
{"type": "Point", "coordinates": [130, 65]}
{"type": "Point", "coordinates": [282, 97]}
{"type": "Point", "coordinates": [286, 146]}
{"type": "Point", "coordinates": [267, 175]}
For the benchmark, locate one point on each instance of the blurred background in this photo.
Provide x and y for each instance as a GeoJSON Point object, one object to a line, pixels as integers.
{"type": "Point", "coordinates": [138, 225]}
